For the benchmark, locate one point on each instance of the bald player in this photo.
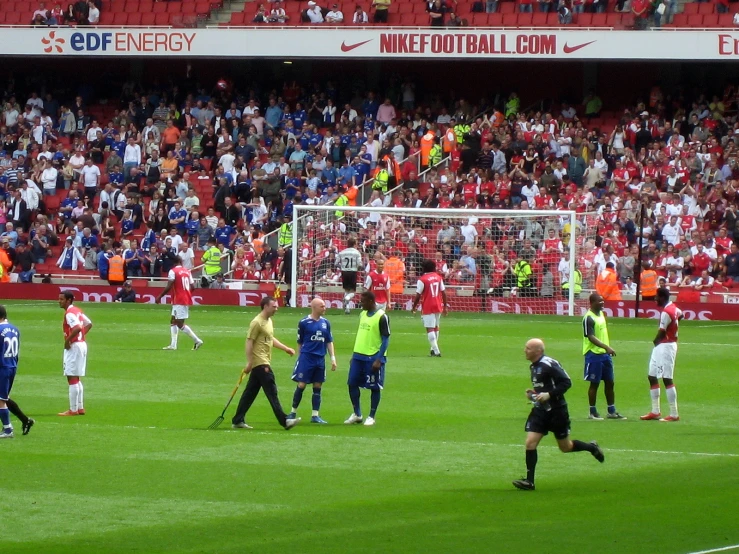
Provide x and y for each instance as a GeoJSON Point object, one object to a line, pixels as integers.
{"type": "Point", "coordinates": [314, 340]}
{"type": "Point", "coordinates": [550, 382]}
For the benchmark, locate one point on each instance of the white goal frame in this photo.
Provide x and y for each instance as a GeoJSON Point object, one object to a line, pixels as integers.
{"type": "Point", "coordinates": [300, 211]}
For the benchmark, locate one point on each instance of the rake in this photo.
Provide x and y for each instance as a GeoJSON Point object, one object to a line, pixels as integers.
{"type": "Point", "coordinates": [220, 418]}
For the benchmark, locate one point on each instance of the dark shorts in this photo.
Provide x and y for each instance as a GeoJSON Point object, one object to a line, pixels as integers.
{"type": "Point", "coordinates": [556, 421]}
{"type": "Point", "coordinates": [6, 384]}
{"type": "Point", "coordinates": [362, 375]}
{"type": "Point", "coordinates": [598, 367]}
{"type": "Point", "coordinates": [349, 280]}
{"type": "Point", "coordinates": [310, 369]}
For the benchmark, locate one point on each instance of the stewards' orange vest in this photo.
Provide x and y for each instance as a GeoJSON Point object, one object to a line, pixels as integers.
{"type": "Point", "coordinates": [116, 273]}
{"type": "Point", "coordinates": [393, 168]}
{"type": "Point", "coordinates": [7, 264]}
{"type": "Point", "coordinates": [648, 283]}
{"type": "Point", "coordinates": [450, 140]}
{"type": "Point", "coordinates": [351, 195]}
{"type": "Point", "coordinates": [427, 141]}
{"type": "Point", "coordinates": [395, 269]}
{"type": "Point", "coordinates": [607, 285]}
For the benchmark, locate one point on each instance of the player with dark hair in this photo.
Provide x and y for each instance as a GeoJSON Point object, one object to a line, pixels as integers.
{"type": "Point", "coordinates": [180, 281]}
{"type": "Point", "coordinates": [431, 293]}
{"type": "Point", "coordinates": [550, 382]}
{"type": "Point", "coordinates": [367, 368]}
{"type": "Point", "coordinates": [349, 261]}
{"type": "Point", "coordinates": [662, 361]}
{"type": "Point", "coordinates": [596, 347]}
{"type": "Point", "coordinates": [9, 352]}
{"type": "Point", "coordinates": [259, 342]}
{"type": "Point", "coordinates": [314, 341]}
{"type": "Point", "coordinates": [76, 325]}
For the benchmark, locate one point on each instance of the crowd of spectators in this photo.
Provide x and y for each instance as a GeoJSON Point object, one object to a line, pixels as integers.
{"type": "Point", "coordinates": [172, 172]}
{"type": "Point", "coordinates": [82, 12]}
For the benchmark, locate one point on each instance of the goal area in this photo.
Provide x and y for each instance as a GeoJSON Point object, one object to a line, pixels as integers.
{"type": "Point", "coordinates": [494, 261]}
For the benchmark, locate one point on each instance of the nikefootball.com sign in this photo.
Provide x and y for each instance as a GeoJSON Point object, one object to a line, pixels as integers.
{"type": "Point", "coordinates": [355, 42]}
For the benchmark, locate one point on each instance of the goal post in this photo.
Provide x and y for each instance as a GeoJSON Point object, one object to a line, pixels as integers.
{"type": "Point", "coordinates": [495, 261]}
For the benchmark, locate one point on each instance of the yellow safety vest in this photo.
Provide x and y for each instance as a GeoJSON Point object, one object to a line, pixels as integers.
{"type": "Point", "coordinates": [381, 180]}
{"type": "Point", "coordinates": [435, 155]}
{"type": "Point", "coordinates": [285, 237]}
{"type": "Point", "coordinates": [212, 261]}
{"type": "Point", "coordinates": [341, 201]}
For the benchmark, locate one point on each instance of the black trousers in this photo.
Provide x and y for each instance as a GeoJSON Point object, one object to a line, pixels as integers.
{"type": "Point", "coordinates": [261, 377]}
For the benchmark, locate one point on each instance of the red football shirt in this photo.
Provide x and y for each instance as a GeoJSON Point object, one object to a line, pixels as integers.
{"type": "Point", "coordinates": [669, 322]}
{"type": "Point", "coordinates": [429, 286]}
{"type": "Point", "coordinates": [182, 283]}
{"type": "Point", "coordinates": [72, 318]}
{"type": "Point", "coordinates": [379, 283]}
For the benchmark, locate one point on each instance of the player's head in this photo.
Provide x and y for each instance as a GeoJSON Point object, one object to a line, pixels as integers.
{"type": "Point", "coordinates": [269, 306]}
{"type": "Point", "coordinates": [663, 296]}
{"type": "Point", "coordinates": [66, 299]}
{"type": "Point", "coordinates": [534, 350]}
{"type": "Point", "coordinates": [3, 313]}
{"type": "Point", "coordinates": [351, 243]}
{"type": "Point", "coordinates": [596, 302]}
{"type": "Point", "coordinates": [177, 260]}
{"type": "Point", "coordinates": [380, 265]}
{"type": "Point", "coordinates": [317, 307]}
{"type": "Point", "coordinates": [367, 300]}
{"type": "Point", "coordinates": [428, 266]}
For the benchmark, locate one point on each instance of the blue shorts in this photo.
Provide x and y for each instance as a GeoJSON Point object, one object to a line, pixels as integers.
{"type": "Point", "coordinates": [361, 374]}
{"type": "Point", "coordinates": [598, 367]}
{"type": "Point", "coordinates": [309, 369]}
{"type": "Point", "coordinates": [6, 384]}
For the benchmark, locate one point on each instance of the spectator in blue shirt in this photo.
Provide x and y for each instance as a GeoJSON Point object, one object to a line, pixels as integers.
{"type": "Point", "coordinates": [299, 116]}
{"type": "Point", "coordinates": [223, 233]}
{"type": "Point", "coordinates": [273, 114]}
{"type": "Point", "coordinates": [347, 174]}
{"type": "Point", "coordinates": [127, 224]}
{"type": "Point", "coordinates": [178, 217]}
{"type": "Point", "coordinates": [133, 257]}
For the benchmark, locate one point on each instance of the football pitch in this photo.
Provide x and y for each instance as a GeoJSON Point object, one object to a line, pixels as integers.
{"type": "Point", "coordinates": [139, 472]}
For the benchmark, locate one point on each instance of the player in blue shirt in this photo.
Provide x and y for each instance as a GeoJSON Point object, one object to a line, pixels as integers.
{"type": "Point", "coordinates": [9, 350]}
{"type": "Point", "coordinates": [314, 340]}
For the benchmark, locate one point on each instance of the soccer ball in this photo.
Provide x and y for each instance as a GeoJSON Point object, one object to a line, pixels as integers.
{"type": "Point", "coordinates": [222, 84]}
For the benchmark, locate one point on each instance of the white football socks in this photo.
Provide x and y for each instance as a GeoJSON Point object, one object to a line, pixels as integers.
{"type": "Point", "coordinates": [432, 341]}
{"type": "Point", "coordinates": [671, 393]}
{"type": "Point", "coordinates": [173, 330]}
{"type": "Point", "coordinates": [654, 393]}
{"type": "Point", "coordinates": [80, 395]}
{"type": "Point", "coordinates": [186, 329]}
{"type": "Point", "coordinates": [74, 393]}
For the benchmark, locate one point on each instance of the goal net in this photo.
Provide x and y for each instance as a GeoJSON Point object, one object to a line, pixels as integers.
{"type": "Point", "coordinates": [495, 261]}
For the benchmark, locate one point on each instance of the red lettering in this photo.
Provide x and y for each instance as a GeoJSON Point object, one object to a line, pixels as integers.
{"type": "Point", "coordinates": [725, 43]}
{"type": "Point", "coordinates": [448, 44]}
{"type": "Point", "coordinates": [120, 42]}
{"type": "Point", "coordinates": [146, 42]}
{"type": "Point", "coordinates": [548, 44]}
{"type": "Point", "coordinates": [386, 43]}
{"type": "Point", "coordinates": [424, 43]}
{"type": "Point", "coordinates": [132, 45]}
{"type": "Point", "coordinates": [189, 40]}
{"type": "Point", "coordinates": [402, 46]}
{"type": "Point", "coordinates": [471, 46]}
{"type": "Point", "coordinates": [436, 44]}
{"type": "Point", "coordinates": [483, 44]}
{"type": "Point", "coordinates": [160, 39]}
{"type": "Point", "coordinates": [522, 44]}
{"type": "Point", "coordinates": [503, 49]}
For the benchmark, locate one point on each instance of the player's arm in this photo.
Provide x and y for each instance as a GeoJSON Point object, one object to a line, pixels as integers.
{"type": "Point", "coordinates": [385, 336]}
{"type": "Point", "coordinates": [332, 353]}
{"type": "Point", "coordinates": [284, 348]}
{"type": "Point", "coordinates": [389, 295]}
{"type": "Point", "coordinates": [417, 298]}
{"type": "Point", "coordinates": [86, 324]}
{"type": "Point", "coordinates": [444, 305]}
{"type": "Point", "coordinates": [167, 288]}
{"type": "Point", "coordinates": [589, 331]}
{"type": "Point", "coordinates": [561, 380]}
{"type": "Point", "coordinates": [249, 349]}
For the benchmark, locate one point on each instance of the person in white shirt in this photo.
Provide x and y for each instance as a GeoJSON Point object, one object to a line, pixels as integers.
{"type": "Point", "coordinates": [360, 16]}
{"type": "Point", "coordinates": [131, 157]}
{"type": "Point", "coordinates": [672, 232]}
{"type": "Point", "coordinates": [92, 131]}
{"type": "Point", "coordinates": [227, 161]}
{"type": "Point", "coordinates": [629, 286]}
{"type": "Point", "coordinates": [314, 13]}
{"type": "Point", "coordinates": [11, 115]}
{"type": "Point", "coordinates": [335, 15]}
{"type": "Point", "coordinates": [277, 13]}
{"type": "Point", "coordinates": [530, 191]}
{"type": "Point", "coordinates": [151, 128]}
{"type": "Point", "coordinates": [469, 232]}
{"type": "Point", "coordinates": [186, 254]}
{"type": "Point", "coordinates": [90, 177]}
{"type": "Point", "coordinates": [93, 13]}
{"type": "Point", "coordinates": [605, 257]}
{"type": "Point", "coordinates": [34, 99]}
{"type": "Point", "coordinates": [30, 195]}
{"type": "Point", "coordinates": [48, 178]}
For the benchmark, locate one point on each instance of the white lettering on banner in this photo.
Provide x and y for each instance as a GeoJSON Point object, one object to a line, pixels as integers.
{"type": "Point", "coordinates": [731, 299]}
{"type": "Point", "coordinates": [250, 298]}
{"type": "Point", "coordinates": [541, 44]}
{"type": "Point", "coordinates": [133, 42]}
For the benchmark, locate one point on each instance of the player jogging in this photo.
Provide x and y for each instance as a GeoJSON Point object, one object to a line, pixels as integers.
{"type": "Point", "coordinates": [179, 279]}
{"type": "Point", "coordinates": [662, 361]}
{"type": "Point", "coordinates": [367, 368]}
{"type": "Point", "coordinates": [596, 347]}
{"type": "Point", "coordinates": [9, 352]}
{"type": "Point", "coordinates": [314, 340]}
{"type": "Point", "coordinates": [430, 291]}
{"type": "Point", "coordinates": [76, 326]}
{"type": "Point", "coordinates": [550, 382]}
{"type": "Point", "coordinates": [349, 260]}
{"type": "Point", "coordinates": [378, 282]}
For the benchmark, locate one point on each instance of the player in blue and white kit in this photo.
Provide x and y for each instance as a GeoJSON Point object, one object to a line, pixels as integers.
{"type": "Point", "coordinates": [9, 350]}
{"type": "Point", "coordinates": [314, 340]}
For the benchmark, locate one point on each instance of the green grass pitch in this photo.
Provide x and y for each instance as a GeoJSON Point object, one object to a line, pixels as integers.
{"type": "Point", "coordinates": [140, 473]}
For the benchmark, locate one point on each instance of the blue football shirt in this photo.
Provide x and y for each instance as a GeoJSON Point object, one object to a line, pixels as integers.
{"type": "Point", "coordinates": [314, 336]}
{"type": "Point", "coordinates": [9, 347]}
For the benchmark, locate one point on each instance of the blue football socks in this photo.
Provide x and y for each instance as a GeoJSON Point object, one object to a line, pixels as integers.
{"type": "Point", "coordinates": [375, 401]}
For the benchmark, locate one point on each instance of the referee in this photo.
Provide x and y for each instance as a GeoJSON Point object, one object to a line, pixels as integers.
{"type": "Point", "coordinates": [598, 357]}
{"type": "Point", "coordinates": [549, 382]}
{"type": "Point", "coordinates": [349, 261]}
{"type": "Point", "coordinates": [259, 342]}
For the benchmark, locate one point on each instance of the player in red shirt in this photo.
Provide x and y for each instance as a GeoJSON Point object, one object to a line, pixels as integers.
{"type": "Point", "coordinates": [431, 293]}
{"type": "Point", "coordinates": [181, 282]}
{"type": "Point", "coordinates": [76, 325]}
{"type": "Point", "coordinates": [662, 362]}
{"type": "Point", "coordinates": [378, 282]}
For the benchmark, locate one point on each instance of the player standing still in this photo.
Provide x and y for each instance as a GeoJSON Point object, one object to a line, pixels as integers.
{"type": "Point", "coordinates": [180, 281]}
{"type": "Point", "coordinates": [430, 291]}
{"type": "Point", "coordinates": [550, 382]}
{"type": "Point", "coordinates": [349, 260]}
{"type": "Point", "coordinates": [367, 368]}
{"type": "Point", "coordinates": [378, 282]}
{"type": "Point", "coordinates": [76, 325]}
{"type": "Point", "coordinates": [9, 353]}
{"type": "Point", "coordinates": [662, 361]}
{"type": "Point", "coordinates": [314, 340]}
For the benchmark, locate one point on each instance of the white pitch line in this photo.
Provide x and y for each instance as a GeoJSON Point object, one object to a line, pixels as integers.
{"type": "Point", "coordinates": [711, 327]}
{"type": "Point", "coordinates": [722, 549]}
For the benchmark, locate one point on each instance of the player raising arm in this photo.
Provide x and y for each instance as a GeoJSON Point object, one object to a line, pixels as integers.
{"type": "Point", "coordinates": [180, 281]}
{"type": "Point", "coordinates": [662, 361]}
{"type": "Point", "coordinates": [431, 293]}
{"type": "Point", "coordinates": [314, 340]}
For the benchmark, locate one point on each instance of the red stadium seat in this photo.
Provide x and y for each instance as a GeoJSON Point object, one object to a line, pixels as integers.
{"type": "Point", "coordinates": [161, 7]}
{"type": "Point", "coordinates": [613, 19]}
{"type": "Point", "coordinates": [202, 8]}
{"type": "Point", "coordinates": [691, 7]}
{"type": "Point", "coordinates": [726, 20]}
{"type": "Point", "coordinates": [599, 19]}
{"type": "Point", "coordinates": [406, 7]}
{"type": "Point", "coordinates": [146, 6]}
{"type": "Point", "coordinates": [479, 20]}
{"type": "Point", "coordinates": [106, 18]}
{"type": "Point", "coordinates": [540, 19]}
{"type": "Point", "coordinates": [584, 19]}
{"type": "Point", "coordinates": [14, 18]}
{"type": "Point", "coordinates": [495, 19]}
{"type": "Point", "coordinates": [421, 20]}
{"type": "Point", "coordinates": [134, 19]}
{"type": "Point", "coordinates": [681, 19]}
{"type": "Point", "coordinates": [415, 7]}
{"type": "Point", "coordinates": [148, 18]}
{"type": "Point", "coordinates": [188, 7]}
{"type": "Point", "coordinates": [553, 19]}
{"type": "Point", "coordinates": [509, 19]}
{"type": "Point", "coordinates": [238, 18]}
{"type": "Point", "coordinates": [120, 19]}
{"type": "Point", "coordinates": [161, 19]}
{"type": "Point", "coordinates": [706, 8]}
{"type": "Point", "coordinates": [2, 17]}
{"type": "Point", "coordinates": [525, 19]}
{"type": "Point", "coordinates": [710, 20]}
{"type": "Point", "coordinates": [508, 7]}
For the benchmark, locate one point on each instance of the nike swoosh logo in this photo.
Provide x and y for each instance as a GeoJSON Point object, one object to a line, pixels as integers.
{"type": "Point", "coordinates": [570, 49]}
{"type": "Point", "coordinates": [349, 47]}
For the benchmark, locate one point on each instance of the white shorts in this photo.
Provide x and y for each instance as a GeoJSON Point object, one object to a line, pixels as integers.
{"type": "Point", "coordinates": [431, 321]}
{"type": "Point", "coordinates": [75, 360]}
{"type": "Point", "coordinates": [180, 312]}
{"type": "Point", "coordinates": [662, 362]}
{"type": "Point", "coordinates": [381, 305]}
